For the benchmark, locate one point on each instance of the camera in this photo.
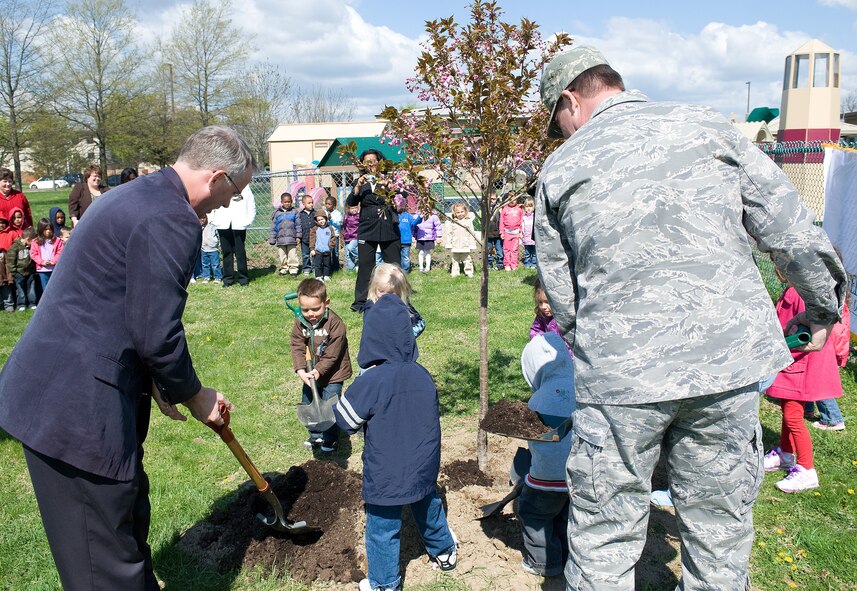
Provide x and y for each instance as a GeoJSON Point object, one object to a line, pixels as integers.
{"type": "Point", "coordinates": [370, 178]}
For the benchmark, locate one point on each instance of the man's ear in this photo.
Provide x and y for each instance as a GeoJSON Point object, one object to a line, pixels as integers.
{"type": "Point", "coordinates": [571, 99]}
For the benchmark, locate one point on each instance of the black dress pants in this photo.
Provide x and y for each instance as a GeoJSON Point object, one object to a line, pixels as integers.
{"type": "Point", "coordinates": [90, 524]}
{"type": "Point", "coordinates": [391, 252]}
{"type": "Point", "coordinates": [234, 257]}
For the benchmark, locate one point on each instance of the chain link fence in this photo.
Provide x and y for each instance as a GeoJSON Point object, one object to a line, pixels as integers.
{"type": "Point", "coordinates": [803, 163]}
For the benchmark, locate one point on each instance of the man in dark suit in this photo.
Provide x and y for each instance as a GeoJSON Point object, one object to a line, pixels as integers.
{"type": "Point", "coordinates": [108, 326]}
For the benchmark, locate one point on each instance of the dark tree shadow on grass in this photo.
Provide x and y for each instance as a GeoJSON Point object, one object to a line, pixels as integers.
{"type": "Point", "coordinates": [5, 436]}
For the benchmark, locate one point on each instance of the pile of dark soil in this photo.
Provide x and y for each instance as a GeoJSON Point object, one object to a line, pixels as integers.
{"type": "Point", "coordinates": [513, 419]}
{"type": "Point", "coordinates": [320, 493]}
{"type": "Point", "coordinates": [460, 473]}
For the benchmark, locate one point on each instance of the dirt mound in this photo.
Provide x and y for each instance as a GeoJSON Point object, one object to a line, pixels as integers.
{"type": "Point", "coordinates": [460, 473]}
{"type": "Point", "coordinates": [320, 493]}
{"type": "Point", "coordinates": [513, 418]}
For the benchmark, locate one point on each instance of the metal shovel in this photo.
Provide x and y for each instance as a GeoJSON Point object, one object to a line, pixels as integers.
{"type": "Point", "coordinates": [278, 520]}
{"type": "Point", "coordinates": [551, 436]}
{"type": "Point", "coordinates": [317, 416]}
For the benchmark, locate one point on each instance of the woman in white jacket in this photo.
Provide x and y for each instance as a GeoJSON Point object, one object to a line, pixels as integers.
{"type": "Point", "coordinates": [231, 223]}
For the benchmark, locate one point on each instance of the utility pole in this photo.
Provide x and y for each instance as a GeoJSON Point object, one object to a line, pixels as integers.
{"type": "Point", "coordinates": [172, 91]}
{"type": "Point", "coordinates": [748, 101]}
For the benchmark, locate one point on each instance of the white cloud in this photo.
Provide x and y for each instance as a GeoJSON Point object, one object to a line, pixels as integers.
{"type": "Point", "coordinates": [849, 4]}
{"type": "Point", "coordinates": [710, 67]}
{"type": "Point", "coordinates": [320, 43]}
{"type": "Point", "coordinates": [329, 43]}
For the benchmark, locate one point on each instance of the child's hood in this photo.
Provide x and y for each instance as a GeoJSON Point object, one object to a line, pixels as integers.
{"type": "Point", "coordinates": [53, 219]}
{"type": "Point", "coordinates": [12, 215]}
{"type": "Point", "coordinates": [549, 370]}
{"type": "Point", "coordinates": [387, 334]}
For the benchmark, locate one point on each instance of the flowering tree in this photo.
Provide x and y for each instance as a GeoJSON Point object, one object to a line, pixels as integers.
{"type": "Point", "coordinates": [483, 132]}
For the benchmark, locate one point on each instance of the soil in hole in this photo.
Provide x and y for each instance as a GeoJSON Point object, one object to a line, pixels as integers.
{"type": "Point", "coordinates": [460, 473]}
{"type": "Point", "coordinates": [320, 493]}
{"type": "Point", "coordinates": [513, 418]}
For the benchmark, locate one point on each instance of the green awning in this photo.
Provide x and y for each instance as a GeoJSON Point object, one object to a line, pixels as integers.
{"type": "Point", "coordinates": [332, 157]}
{"type": "Point", "coordinates": [765, 114]}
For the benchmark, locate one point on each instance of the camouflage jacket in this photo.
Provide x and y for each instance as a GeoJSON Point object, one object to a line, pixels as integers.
{"type": "Point", "coordinates": [642, 223]}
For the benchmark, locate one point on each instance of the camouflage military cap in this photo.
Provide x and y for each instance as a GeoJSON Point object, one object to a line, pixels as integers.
{"type": "Point", "coordinates": [560, 72]}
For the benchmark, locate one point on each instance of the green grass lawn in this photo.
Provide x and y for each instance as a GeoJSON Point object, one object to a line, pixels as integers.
{"type": "Point", "coordinates": [239, 341]}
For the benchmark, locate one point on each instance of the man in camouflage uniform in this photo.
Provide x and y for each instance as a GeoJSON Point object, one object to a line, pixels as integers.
{"type": "Point", "coordinates": [643, 217]}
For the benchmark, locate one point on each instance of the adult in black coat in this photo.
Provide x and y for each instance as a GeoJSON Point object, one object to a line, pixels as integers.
{"type": "Point", "coordinates": [108, 326]}
{"type": "Point", "coordinates": [379, 226]}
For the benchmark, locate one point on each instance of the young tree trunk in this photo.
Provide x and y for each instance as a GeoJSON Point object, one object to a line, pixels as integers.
{"type": "Point", "coordinates": [482, 436]}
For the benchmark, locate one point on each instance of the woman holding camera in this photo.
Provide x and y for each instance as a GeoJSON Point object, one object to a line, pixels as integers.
{"type": "Point", "coordinates": [379, 225]}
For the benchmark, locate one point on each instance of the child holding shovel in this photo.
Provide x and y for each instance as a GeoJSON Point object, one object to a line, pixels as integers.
{"type": "Point", "coordinates": [323, 334]}
{"type": "Point", "coordinates": [543, 505]}
{"type": "Point", "coordinates": [395, 403]}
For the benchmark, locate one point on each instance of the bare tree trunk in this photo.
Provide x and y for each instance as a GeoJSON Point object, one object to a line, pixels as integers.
{"type": "Point", "coordinates": [482, 436]}
{"type": "Point", "coordinates": [16, 147]}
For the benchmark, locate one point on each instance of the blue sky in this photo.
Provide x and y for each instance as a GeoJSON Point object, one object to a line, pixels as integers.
{"type": "Point", "coordinates": [696, 52]}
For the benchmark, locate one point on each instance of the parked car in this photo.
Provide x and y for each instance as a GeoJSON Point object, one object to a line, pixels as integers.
{"type": "Point", "coordinates": [72, 178]}
{"type": "Point", "coordinates": [48, 183]}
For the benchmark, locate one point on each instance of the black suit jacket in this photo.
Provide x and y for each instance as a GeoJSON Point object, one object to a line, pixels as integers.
{"type": "Point", "coordinates": [379, 222]}
{"type": "Point", "coordinates": [110, 319]}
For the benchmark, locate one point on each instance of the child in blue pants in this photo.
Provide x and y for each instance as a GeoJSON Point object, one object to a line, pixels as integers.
{"type": "Point", "coordinates": [395, 403]}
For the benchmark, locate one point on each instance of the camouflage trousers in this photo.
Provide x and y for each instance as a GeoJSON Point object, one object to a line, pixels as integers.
{"type": "Point", "coordinates": [714, 455]}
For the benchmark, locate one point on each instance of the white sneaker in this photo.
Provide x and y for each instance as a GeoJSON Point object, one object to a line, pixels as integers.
{"type": "Point", "coordinates": [448, 560]}
{"type": "Point", "coordinates": [192, 280]}
{"type": "Point", "coordinates": [777, 459]}
{"type": "Point", "coordinates": [798, 480]}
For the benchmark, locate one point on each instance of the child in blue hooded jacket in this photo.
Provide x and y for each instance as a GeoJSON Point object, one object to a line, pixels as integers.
{"type": "Point", "coordinates": [543, 504]}
{"type": "Point", "coordinates": [395, 402]}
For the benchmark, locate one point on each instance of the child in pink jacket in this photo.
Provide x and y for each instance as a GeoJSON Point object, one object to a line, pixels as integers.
{"type": "Point", "coordinates": [45, 251]}
{"type": "Point", "coordinates": [511, 218]}
{"type": "Point", "coordinates": [813, 376]}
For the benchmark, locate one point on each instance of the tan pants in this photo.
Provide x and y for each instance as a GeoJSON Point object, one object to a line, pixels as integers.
{"type": "Point", "coordinates": [289, 262]}
{"type": "Point", "coordinates": [457, 259]}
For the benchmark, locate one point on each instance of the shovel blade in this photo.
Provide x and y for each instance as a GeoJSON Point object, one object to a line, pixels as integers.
{"type": "Point", "coordinates": [317, 416]}
{"type": "Point", "coordinates": [495, 508]}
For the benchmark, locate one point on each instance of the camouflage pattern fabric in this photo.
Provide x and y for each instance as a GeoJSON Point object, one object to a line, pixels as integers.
{"type": "Point", "coordinates": [642, 223]}
{"type": "Point", "coordinates": [714, 453]}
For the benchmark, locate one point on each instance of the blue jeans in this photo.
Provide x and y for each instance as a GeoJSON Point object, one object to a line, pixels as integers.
{"type": "Point", "coordinates": [529, 256]}
{"type": "Point", "coordinates": [44, 277]}
{"type": "Point", "coordinates": [495, 244]}
{"type": "Point", "coordinates": [406, 258]}
{"type": "Point", "coordinates": [25, 285]}
{"type": "Point", "coordinates": [210, 265]}
{"type": "Point", "coordinates": [383, 531]}
{"type": "Point", "coordinates": [543, 517]}
{"type": "Point", "coordinates": [828, 411]}
{"type": "Point", "coordinates": [351, 255]}
{"type": "Point", "coordinates": [7, 294]}
{"type": "Point", "coordinates": [327, 391]}
{"type": "Point", "coordinates": [306, 259]}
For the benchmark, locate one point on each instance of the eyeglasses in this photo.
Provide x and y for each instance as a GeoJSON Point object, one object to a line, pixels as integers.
{"type": "Point", "coordinates": [237, 196]}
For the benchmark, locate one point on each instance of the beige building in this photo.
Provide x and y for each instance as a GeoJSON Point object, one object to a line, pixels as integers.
{"type": "Point", "coordinates": [810, 104]}
{"type": "Point", "coordinates": [301, 145]}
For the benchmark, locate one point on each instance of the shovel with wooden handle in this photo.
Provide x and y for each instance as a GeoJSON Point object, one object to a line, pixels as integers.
{"type": "Point", "coordinates": [278, 520]}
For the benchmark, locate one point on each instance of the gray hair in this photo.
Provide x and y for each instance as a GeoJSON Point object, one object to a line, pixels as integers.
{"type": "Point", "coordinates": [218, 147]}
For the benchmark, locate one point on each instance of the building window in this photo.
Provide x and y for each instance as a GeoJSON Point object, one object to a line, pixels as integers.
{"type": "Point", "coordinates": [821, 71]}
{"type": "Point", "coordinates": [787, 75]}
{"type": "Point", "coordinates": [835, 70]}
{"type": "Point", "coordinates": [801, 73]}
{"type": "Point", "coordinates": [321, 145]}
